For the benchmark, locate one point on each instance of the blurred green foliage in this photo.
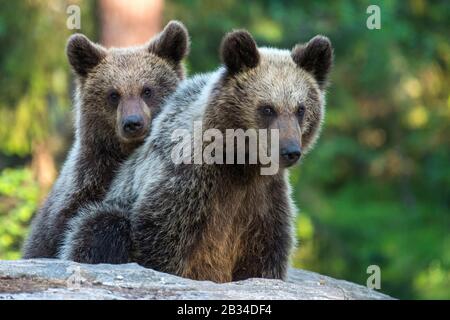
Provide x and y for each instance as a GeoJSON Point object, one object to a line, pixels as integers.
{"type": "Point", "coordinates": [19, 198]}
{"type": "Point", "coordinates": [34, 82]}
{"type": "Point", "coordinates": [375, 190]}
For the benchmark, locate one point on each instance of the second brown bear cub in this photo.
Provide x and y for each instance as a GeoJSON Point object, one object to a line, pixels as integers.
{"type": "Point", "coordinates": [119, 92]}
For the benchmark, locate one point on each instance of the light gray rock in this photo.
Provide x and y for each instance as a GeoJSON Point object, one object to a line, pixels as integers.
{"type": "Point", "coordinates": [57, 279]}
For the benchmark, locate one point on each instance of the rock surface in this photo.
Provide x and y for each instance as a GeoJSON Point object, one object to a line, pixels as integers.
{"type": "Point", "coordinates": [56, 279]}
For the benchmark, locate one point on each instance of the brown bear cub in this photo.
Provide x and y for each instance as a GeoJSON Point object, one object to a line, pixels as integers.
{"type": "Point", "coordinates": [119, 92]}
{"type": "Point", "coordinates": [215, 221]}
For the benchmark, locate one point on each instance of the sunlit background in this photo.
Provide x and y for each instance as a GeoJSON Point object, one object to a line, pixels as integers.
{"type": "Point", "coordinates": [376, 189]}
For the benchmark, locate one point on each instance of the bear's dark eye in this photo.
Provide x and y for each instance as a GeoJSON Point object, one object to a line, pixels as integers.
{"type": "Point", "coordinates": [147, 93]}
{"type": "Point", "coordinates": [113, 97]}
{"type": "Point", "coordinates": [268, 111]}
{"type": "Point", "coordinates": [301, 111]}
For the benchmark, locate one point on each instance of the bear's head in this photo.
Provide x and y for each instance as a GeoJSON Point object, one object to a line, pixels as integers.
{"type": "Point", "coordinates": [120, 90]}
{"type": "Point", "coordinates": [269, 88]}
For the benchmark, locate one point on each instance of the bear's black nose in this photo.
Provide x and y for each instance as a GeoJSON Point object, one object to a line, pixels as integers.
{"type": "Point", "coordinates": [132, 124]}
{"type": "Point", "coordinates": [290, 154]}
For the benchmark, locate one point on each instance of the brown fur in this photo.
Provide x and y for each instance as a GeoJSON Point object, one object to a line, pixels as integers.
{"type": "Point", "coordinates": [218, 222]}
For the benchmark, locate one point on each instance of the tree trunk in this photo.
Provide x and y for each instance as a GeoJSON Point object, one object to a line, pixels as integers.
{"type": "Point", "coordinates": [127, 23]}
{"type": "Point", "coordinates": [43, 166]}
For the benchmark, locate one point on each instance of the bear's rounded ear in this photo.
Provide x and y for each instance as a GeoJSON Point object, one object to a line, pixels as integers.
{"type": "Point", "coordinates": [83, 54]}
{"type": "Point", "coordinates": [172, 43]}
{"type": "Point", "coordinates": [315, 57]}
{"type": "Point", "coordinates": [239, 51]}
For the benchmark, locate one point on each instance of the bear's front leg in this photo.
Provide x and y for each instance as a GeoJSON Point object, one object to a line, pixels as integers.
{"type": "Point", "coordinates": [266, 246]}
{"type": "Point", "coordinates": [270, 261]}
{"type": "Point", "coordinates": [100, 233]}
